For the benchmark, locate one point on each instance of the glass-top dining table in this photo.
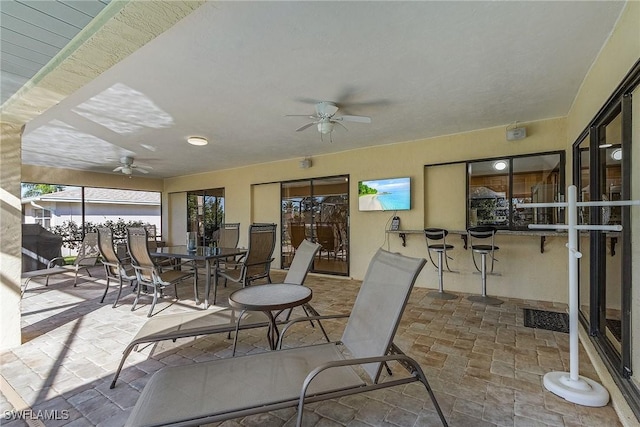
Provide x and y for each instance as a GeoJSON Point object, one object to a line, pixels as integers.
{"type": "Point", "coordinates": [210, 255]}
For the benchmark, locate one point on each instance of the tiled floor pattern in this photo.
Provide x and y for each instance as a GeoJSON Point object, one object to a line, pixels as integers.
{"type": "Point", "coordinates": [485, 367]}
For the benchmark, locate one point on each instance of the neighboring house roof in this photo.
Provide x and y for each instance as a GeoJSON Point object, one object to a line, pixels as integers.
{"type": "Point", "coordinates": [99, 195]}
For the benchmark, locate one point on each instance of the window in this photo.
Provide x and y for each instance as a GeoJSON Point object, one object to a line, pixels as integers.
{"type": "Point", "coordinates": [70, 211]}
{"type": "Point", "coordinates": [42, 217]}
{"type": "Point", "coordinates": [496, 186]}
{"type": "Point", "coordinates": [317, 210]}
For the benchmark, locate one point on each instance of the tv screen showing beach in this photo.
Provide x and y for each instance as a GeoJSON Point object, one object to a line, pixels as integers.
{"type": "Point", "coordinates": [384, 194]}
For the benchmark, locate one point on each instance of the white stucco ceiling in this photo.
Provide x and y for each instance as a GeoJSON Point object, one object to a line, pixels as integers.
{"type": "Point", "coordinates": [231, 71]}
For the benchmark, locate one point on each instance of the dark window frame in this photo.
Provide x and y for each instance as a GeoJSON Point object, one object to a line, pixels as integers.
{"type": "Point", "coordinates": [509, 197]}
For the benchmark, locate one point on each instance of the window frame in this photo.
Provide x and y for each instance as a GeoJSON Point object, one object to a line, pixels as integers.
{"type": "Point", "coordinates": [509, 159]}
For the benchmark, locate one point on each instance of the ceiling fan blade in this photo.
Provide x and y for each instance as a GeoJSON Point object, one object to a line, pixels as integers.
{"type": "Point", "coordinates": [357, 119]}
{"type": "Point", "coordinates": [306, 126]}
{"type": "Point", "coordinates": [141, 165]}
{"type": "Point", "coordinates": [301, 115]}
{"type": "Point", "coordinates": [341, 125]}
{"type": "Point", "coordinates": [118, 169]}
{"type": "Point", "coordinates": [142, 170]}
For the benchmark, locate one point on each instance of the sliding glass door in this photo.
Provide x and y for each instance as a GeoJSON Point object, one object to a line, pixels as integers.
{"type": "Point", "coordinates": [205, 213]}
{"type": "Point", "coordinates": [317, 210]}
{"type": "Point", "coordinates": [603, 171]}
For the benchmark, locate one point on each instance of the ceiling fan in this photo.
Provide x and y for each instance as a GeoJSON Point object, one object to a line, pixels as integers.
{"type": "Point", "coordinates": [127, 166]}
{"type": "Point", "coordinates": [326, 119]}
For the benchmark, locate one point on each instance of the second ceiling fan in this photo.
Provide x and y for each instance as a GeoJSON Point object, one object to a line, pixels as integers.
{"type": "Point", "coordinates": [326, 119]}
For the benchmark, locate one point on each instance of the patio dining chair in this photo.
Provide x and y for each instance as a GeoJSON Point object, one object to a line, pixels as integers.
{"type": "Point", "coordinates": [228, 235]}
{"type": "Point", "coordinates": [148, 273]}
{"type": "Point", "coordinates": [256, 263]}
{"type": "Point", "coordinates": [88, 254]}
{"type": "Point", "coordinates": [218, 390]}
{"type": "Point", "coordinates": [114, 267]}
{"type": "Point", "coordinates": [326, 233]}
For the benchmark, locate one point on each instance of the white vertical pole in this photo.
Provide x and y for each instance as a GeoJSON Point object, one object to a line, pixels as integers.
{"type": "Point", "coordinates": [571, 386]}
{"type": "Point", "coordinates": [573, 282]}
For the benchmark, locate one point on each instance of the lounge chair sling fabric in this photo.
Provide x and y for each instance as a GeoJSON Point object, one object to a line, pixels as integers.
{"type": "Point", "coordinates": [223, 389]}
{"type": "Point", "coordinates": [301, 263]}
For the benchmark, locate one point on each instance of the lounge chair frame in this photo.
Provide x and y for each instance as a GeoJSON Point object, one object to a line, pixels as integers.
{"type": "Point", "coordinates": [87, 257]}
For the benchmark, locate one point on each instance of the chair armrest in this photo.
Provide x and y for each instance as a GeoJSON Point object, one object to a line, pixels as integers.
{"type": "Point", "coordinates": [416, 374]}
{"type": "Point", "coordinates": [401, 358]}
{"type": "Point", "coordinates": [306, 319]}
{"type": "Point", "coordinates": [110, 264]}
{"type": "Point", "coordinates": [53, 260]}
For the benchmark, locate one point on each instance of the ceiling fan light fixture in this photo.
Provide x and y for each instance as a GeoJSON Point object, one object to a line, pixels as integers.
{"type": "Point", "coordinates": [127, 170]}
{"type": "Point", "coordinates": [197, 140]}
{"type": "Point", "coordinates": [325, 127]}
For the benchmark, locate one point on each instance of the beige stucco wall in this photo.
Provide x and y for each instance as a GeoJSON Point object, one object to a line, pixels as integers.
{"type": "Point", "coordinates": [520, 261]}
{"type": "Point", "coordinates": [614, 62]}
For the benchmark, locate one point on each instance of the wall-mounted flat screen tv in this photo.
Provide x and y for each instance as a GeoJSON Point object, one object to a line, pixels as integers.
{"type": "Point", "coordinates": [392, 194]}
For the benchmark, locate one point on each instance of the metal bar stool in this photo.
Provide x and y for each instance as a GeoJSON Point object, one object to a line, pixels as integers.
{"type": "Point", "coordinates": [437, 234]}
{"type": "Point", "coordinates": [483, 232]}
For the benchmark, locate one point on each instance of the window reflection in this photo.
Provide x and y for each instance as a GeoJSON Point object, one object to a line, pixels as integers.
{"type": "Point", "coordinates": [317, 210]}
{"type": "Point", "coordinates": [205, 213]}
{"type": "Point", "coordinates": [496, 186]}
{"type": "Point", "coordinates": [489, 193]}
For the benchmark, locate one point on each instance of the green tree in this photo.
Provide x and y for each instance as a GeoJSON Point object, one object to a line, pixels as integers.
{"type": "Point", "coordinates": [33, 190]}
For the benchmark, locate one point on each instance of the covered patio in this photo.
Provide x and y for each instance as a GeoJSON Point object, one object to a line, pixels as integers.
{"type": "Point", "coordinates": [484, 365]}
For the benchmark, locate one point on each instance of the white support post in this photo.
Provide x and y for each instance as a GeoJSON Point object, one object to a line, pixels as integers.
{"type": "Point", "coordinates": [571, 386]}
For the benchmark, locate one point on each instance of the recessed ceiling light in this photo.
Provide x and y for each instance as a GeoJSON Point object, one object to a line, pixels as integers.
{"type": "Point", "coordinates": [500, 165]}
{"type": "Point", "coordinates": [197, 140]}
{"type": "Point", "coordinates": [617, 154]}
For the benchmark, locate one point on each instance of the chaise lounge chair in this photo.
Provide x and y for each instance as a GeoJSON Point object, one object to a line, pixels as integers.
{"type": "Point", "coordinates": [206, 322]}
{"type": "Point", "coordinates": [223, 389]}
{"type": "Point", "coordinates": [88, 255]}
